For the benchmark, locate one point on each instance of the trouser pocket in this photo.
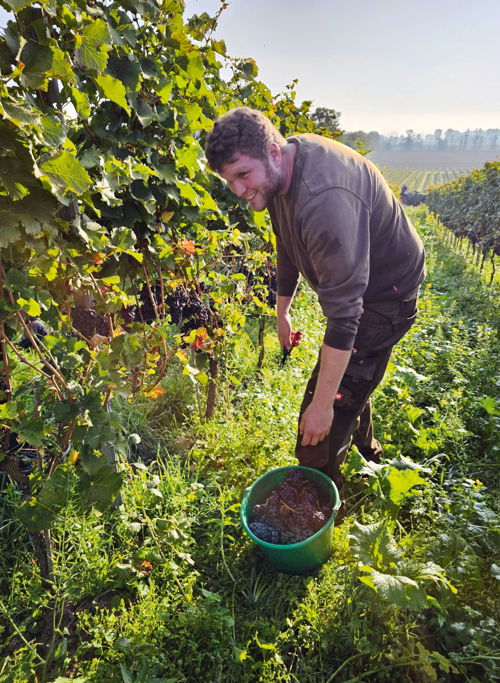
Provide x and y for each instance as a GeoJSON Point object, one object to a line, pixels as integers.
{"type": "Point", "coordinates": [382, 325]}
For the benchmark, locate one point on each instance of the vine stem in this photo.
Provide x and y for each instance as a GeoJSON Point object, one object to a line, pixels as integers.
{"type": "Point", "coordinates": [90, 132]}
{"type": "Point", "coordinates": [100, 295]}
{"type": "Point", "coordinates": [162, 291]}
{"type": "Point", "coordinates": [343, 665]}
{"type": "Point", "coordinates": [155, 308]}
{"type": "Point", "coordinates": [52, 364]}
{"type": "Point", "coordinates": [23, 359]}
{"type": "Point", "coordinates": [150, 293]}
{"type": "Point", "coordinates": [5, 358]}
{"type": "Point", "coordinates": [30, 336]}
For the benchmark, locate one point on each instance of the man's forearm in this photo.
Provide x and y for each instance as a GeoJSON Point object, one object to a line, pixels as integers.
{"type": "Point", "coordinates": [283, 304]}
{"type": "Point", "coordinates": [317, 418]}
{"type": "Point", "coordinates": [332, 368]}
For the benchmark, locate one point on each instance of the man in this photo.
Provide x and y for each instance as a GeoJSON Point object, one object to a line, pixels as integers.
{"type": "Point", "coordinates": [337, 224]}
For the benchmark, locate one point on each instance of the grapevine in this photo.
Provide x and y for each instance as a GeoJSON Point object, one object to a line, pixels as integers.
{"type": "Point", "coordinates": [469, 208]}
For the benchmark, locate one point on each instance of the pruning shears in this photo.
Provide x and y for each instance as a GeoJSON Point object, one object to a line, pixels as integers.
{"type": "Point", "coordinates": [295, 338]}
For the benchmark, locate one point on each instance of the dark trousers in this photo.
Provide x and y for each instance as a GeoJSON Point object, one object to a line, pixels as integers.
{"type": "Point", "coordinates": [380, 327]}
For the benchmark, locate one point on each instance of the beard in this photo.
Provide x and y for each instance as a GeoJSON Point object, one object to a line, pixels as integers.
{"type": "Point", "coordinates": [272, 184]}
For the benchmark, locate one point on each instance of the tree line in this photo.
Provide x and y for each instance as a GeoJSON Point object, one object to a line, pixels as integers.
{"type": "Point", "coordinates": [440, 139]}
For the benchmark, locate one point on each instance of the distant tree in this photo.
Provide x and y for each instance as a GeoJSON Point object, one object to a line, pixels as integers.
{"type": "Point", "coordinates": [452, 137]}
{"type": "Point", "coordinates": [438, 139]}
{"type": "Point", "coordinates": [358, 140]}
{"type": "Point", "coordinates": [375, 138]}
{"type": "Point", "coordinates": [327, 118]}
{"type": "Point", "coordinates": [477, 139]}
{"type": "Point", "coordinates": [409, 140]}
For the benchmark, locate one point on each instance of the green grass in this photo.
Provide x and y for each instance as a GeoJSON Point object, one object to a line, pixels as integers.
{"type": "Point", "coordinates": [166, 587]}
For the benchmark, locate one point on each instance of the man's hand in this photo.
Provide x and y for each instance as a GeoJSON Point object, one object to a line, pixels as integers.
{"type": "Point", "coordinates": [285, 331]}
{"type": "Point", "coordinates": [315, 423]}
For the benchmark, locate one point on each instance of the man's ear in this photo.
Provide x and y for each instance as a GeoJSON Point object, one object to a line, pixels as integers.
{"type": "Point", "coordinates": [275, 153]}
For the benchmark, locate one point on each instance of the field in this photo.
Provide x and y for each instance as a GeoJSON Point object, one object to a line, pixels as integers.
{"type": "Point", "coordinates": [434, 158]}
{"type": "Point", "coordinates": [418, 179]}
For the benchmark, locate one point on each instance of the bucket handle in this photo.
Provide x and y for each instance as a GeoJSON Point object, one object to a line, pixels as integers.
{"type": "Point", "coordinates": [246, 495]}
{"type": "Point", "coordinates": [244, 500]}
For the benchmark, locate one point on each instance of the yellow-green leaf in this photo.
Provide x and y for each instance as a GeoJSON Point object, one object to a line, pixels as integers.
{"type": "Point", "coordinates": [31, 307]}
{"type": "Point", "coordinates": [94, 45]}
{"type": "Point", "coordinates": [65, 172]}
{"type": "Point", "coordinates": [81, 102]}
{"type": "Point", "coordinates": [114, 90]}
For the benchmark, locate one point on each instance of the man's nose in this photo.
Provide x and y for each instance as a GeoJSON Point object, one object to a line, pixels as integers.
{"type": "Point", "coordinates": [238, 187]}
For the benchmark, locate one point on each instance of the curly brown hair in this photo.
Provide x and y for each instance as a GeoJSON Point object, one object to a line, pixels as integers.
{"type": "Point", "coordinates": [242, 130]}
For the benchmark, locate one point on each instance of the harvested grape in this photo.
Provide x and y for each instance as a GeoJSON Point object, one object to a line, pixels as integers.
{"type": "Point", "coordinates": [291, 513]}
{"type": "Point", "coordinates": [264, 532]}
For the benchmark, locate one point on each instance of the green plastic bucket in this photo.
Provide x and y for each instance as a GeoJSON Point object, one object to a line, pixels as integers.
{"type": "Point", "coordinates": [295, 558]}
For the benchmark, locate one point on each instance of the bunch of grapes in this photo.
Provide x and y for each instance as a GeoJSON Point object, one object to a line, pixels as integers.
{"type": "Point", "coordinates": [176, 304]}
{"type": "Point", "coordinates": [37, 328]}
{"type": "Point", "coordinates": [271, 282]}
{"type": "Point", "coordinates": [292, 512]}
{"type": "Point", "coordinates": [185, 308]}
{"type": "Point", "coordinates": [195, 314]}
{"type": "Point", "coordinates": [127, 314]}
{"type": "Point", "coordinates": [145, 312]}
{"type": "Point", "coordinates": [88, 322]}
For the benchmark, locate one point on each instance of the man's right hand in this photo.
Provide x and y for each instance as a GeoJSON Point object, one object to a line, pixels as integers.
{"type": "Point", "coordinates": [285, 331]}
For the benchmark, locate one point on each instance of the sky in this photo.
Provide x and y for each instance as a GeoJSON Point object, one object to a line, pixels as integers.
{"type": "Point", "coordinates": [386, 65]}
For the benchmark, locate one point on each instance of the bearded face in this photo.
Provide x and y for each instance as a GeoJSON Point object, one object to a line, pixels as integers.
{"type": "Point", "coordinates": [255, 180]}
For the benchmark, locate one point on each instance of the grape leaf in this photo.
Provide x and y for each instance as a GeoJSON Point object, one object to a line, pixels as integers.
{"type": "Point", "coordinates": [18, 5]}
{"type": "Point", "coordinates": [93, 51]}
{"type": "Point", "coordinates": [100, 489]}
{"type": "Point", "coordinates": [65, 173]}
{"type": "Point", "coordinates": [114, 90]}
{"type": "Point", "coordinates": [400, 482]}
{"type": "Point", "coordinates": [8, 411]}
{"type": "Point", "coordinates": [61, 66]}
{"type": "Point", "coordinates": [53, 132]}
{"type": "Point", "coordinates": [38, 62]}
{"type": "Point", "coordinates": [38, 513]}
{"type": "Point", "coordinates": [34, 213]}
{"type": "Point", "coordinates": [81, 102]}
{"type": "Point", "coordinates": [31, 307]}
{"type": "Point", "coordinates": [126, 70]}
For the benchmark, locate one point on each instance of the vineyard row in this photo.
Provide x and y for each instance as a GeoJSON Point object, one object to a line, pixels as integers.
{"type": "Point", "coordinates": [418, 179]}
{"type": "Point", "coordinates": [469, 208]}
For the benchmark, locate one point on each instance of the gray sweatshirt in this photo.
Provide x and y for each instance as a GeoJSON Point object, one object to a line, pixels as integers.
{"type": "Point", "coordinates": [340, 226]}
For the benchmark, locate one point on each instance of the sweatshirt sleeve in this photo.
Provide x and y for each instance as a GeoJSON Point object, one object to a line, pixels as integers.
{"type": "Point", "coordinates": [287, 272]}
{"type": "Point", "coordinates": [335, 230]}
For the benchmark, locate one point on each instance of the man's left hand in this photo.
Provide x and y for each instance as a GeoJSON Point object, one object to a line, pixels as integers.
{"type": "Point", "coordinates": [315, 424]}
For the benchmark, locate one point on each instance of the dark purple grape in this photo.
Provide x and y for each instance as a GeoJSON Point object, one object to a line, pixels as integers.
{"type": "Point", "coordinates": [293, 509]}
{"type": "Point", "coordinates": [264, 532]}
{"type": "Point", "coordinates": [88, 322]}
